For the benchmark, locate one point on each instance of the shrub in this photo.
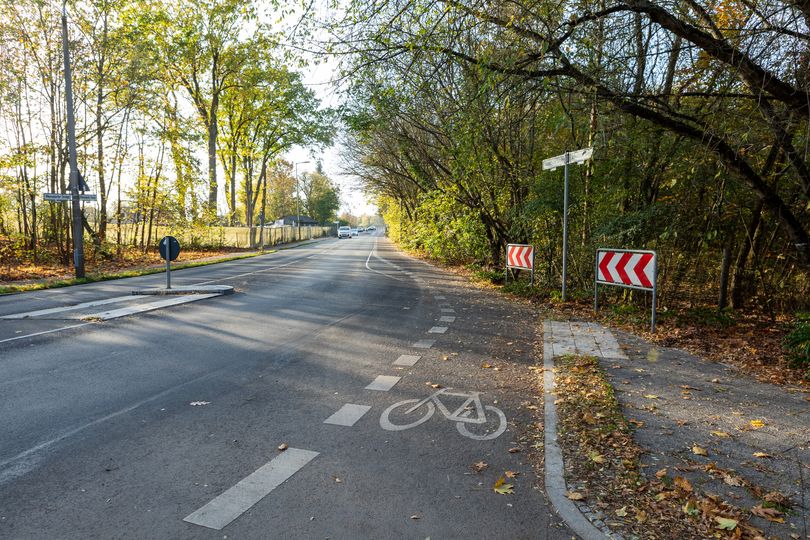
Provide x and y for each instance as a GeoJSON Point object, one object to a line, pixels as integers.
{"type": "Point", "coordinates": [797, 343]}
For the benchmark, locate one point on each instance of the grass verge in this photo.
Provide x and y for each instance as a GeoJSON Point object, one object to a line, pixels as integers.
{"type": "Point", "coordinates": [135, 272]}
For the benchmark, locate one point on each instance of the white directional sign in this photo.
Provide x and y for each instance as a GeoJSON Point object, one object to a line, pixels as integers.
{"type": "Point", "coordinates": [577, 156]}
{"type": "Point", "coordinates": [67, 197]}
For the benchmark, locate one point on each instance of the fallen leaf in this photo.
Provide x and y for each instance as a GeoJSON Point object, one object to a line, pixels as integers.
{"type": "Point", "coordinates": [715, 380]}
{"type": "Point", "coordinates": [445, 358]}
{"type": "Point", "coordinates": [732, 480]}
{"type": "Point", "coordinates": [721, 434]}
{"type": "Point", "coordinates": [641, 516]}
{"type": "Point", "coordinates": [282, 447]}
{"type": "Point", "coordinates": [661, 473]}
{"type": "Point", "coordinates": [486, 365]}
{"type": "Point", "coordinates": [511, 474]}
{"type": "Point", "coordinates": [683, 483]}
{"type": "Point", "coordinates": [762, 455]}
{"type": "Point", "coordinates": [338, 480]}
{"type": "Point", "coordinates": [650, 396]}
{"type": "Point", "coordinates": [699, 451]}
{"type": "Point", "coordinates": [771, 514]}
{"type": "Point", "coordinates": [622, 512]}
{"type": "Point", "coordinates": [690, 508]}
{"type": "Point", "coordinates": [434, 385]}
{"type": "Point", "coordinates": [575, 495]}
{"type": "Point", "coordinates": [726, 524]}
{"type": "Point", "coordinates": [637, 423]}
{"type": "Point", "coordinates": [597, 458]}
{"type": "Point", "coordinates": [757, 424]}
{"type": "Point", "coordinates": [502, 487]}
{"type": "Point", "coordinates": [415, 516]}
{"type": "Point", "coordinates": [480, 466]}
{"type": "Point", "coordinates": [777, 498]}
{"type": "Point", "coordinates": [514, 450]}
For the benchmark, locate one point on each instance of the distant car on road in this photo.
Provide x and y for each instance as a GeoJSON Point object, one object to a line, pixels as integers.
{"type": "Point", "coordinates": [372, 228]}
{"type": "Point", "coordinates": [361, 229]}
{"type": "Point", "coordinates": [355, 232]}
{"type": "Point", "coordinates": [344, 232]}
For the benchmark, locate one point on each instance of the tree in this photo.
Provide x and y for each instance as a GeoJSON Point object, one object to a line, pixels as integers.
{"type": "Point", "coordinates": [321, 196]}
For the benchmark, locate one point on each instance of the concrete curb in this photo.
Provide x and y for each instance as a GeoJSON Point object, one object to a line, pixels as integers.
{"type": "Point", "coordinates": [192, 289]}
{"type": "Point", "coordinates": [554, 466]}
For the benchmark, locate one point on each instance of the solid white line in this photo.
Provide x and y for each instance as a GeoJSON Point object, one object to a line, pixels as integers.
{"type": "Point", "coordinates": [143, 308]}
{"type": "Point", "coordinates": [348, 415]}
{"type": "Point", "coordinates": [45, 332]}
{"type": "Point", "coordinates": [370, 269]}
{"type": "Point", "coordinates": [228, 506]}
{"type": "Point", "coordinates": [51, 311]}
{"type": "Point", "coordinates": [424, 344]}
{"type": "Point", "coordinates": [448, 310]}
{"type": "Point", "coordinates": [383, 383]}
{"type": "Point", "coordinates": [437, 330]}
{"type": "Point", "coordinates": [447, 318]}
{"type": "Point", "coordinates": [407, 360]}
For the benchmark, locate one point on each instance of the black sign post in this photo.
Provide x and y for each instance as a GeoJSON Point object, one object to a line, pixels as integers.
{"type": "Point", "coordinates": [169, 250]}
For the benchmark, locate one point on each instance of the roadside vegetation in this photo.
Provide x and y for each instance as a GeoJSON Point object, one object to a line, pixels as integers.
{"type": "Point", "coordinates": [697, 113]}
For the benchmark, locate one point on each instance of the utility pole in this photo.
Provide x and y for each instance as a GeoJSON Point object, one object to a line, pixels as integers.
{"type": "Point", "coordinates": [78, 236]}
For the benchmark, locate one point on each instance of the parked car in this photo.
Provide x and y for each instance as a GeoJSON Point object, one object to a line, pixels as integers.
{"type": "Point", "coordinates": [344, 232]}
{"type": "Point", "coordinates": [355, 232]}
{"type": "Point", "coordinates": [371, 228]}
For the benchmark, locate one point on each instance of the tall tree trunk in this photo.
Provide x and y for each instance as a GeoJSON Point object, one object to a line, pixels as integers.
{"type": "Point", "coordinates": [739, 282]}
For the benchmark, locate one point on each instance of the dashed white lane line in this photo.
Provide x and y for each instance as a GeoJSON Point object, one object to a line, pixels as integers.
{"type": "Point", "coordinates": [445, 305]}
{"type": "Point", "coordinates": [348, 415]}
{"type": "Point", "coordinates": [407, 360]}
{"type": "Point", "coordinates": [448, 310]}
{"type": "Point", "coordinates": [228, 506]}
{"type": "Point", "coordinates": [383, 383]}
{"type": "Point", "coordinates": [60, 309]}
{"type": "Point", "coordinates": [437, 330]}
{"type": "Point", "coordinates": [440, 297]}
{"type": "Point", "coordinates": [424, 344]}
{"type": "Point", "coordinates": [447, 318]}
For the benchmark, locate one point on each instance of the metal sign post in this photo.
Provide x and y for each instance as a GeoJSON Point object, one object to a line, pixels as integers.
{"type": "Point", "coordinates": [169, 249]}
{"type": "Point", "coordinates": [564, 160]}
{"type": "Point", "coordinates": [628, 268]}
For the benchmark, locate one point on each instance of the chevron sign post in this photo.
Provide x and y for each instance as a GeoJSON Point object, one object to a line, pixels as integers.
{"type": "Point", "coordinates": [629, 268]}
{"type": "Point", "coordinates": [520, 256]}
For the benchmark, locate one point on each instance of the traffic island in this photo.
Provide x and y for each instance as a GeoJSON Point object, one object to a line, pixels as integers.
{"type": "Point", "coordinates": [187, 289]}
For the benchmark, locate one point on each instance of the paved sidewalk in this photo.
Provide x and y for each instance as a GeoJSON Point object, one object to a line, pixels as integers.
{"type": "Point", "coordinates": [678, 401]}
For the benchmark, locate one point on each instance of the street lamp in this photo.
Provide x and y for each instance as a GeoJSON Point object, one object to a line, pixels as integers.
{"type": "Point", "coordinates": [298, 200]}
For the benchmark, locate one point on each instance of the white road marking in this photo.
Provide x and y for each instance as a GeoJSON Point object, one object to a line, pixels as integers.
{"type": "Point", "coordinates": [407, 360]}
{"type": "Point", "coordinates": [348, 415]}
{"type": "Point", "coordinates": [440, 297]}
{"type": "Point", "coordinates": [142, 308]}
{"type": "Point", "coordinates": [228, 506]}
{"type": "Point", "coordinates": [448, 310]}
{"type": "Point", "coordinates": [437, 330]}
{"type": "Point", "coordinates": [445, 305]}
{"type": "Point", "coordinates": [51, 311]}
{"type": "Point", "coordinates": [447, 318]}
{"type": "Point", "coordinates": [424, 344]}
{"type": "Point", "coordinates": [383, 383]}
{"type": "Point", "coordinates": [44, 332]}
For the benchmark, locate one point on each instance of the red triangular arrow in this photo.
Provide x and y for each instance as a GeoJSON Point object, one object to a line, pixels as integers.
{"type": "Point", "coordinates": [639, 270]}
{"type": "Point", "coordinates": [620, 268]}
{"type": "Point", "coordinates": [603, 266]}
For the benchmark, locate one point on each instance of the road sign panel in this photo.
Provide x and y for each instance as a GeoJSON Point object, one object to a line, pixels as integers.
{"type": "Point", "coordinates": [629, 268]}
{"type": "Point", "coordinates": [88, 197]}
{"type": "Point", "coordinates": [520, 256]}
{"type": "Point", "coordinates": [56, 197]}
{"type": "Point", "coordinates": [577, 156]}
{"type": "Point", "coordinates": [171, 244]}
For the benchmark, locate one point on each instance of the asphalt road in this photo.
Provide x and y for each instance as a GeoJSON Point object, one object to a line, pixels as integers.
{"type": "Point", "coordinates": [166, 424]}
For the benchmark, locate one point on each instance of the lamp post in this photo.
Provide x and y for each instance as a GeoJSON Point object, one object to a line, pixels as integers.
{"type": "Point", "coordinates": [298, 201]}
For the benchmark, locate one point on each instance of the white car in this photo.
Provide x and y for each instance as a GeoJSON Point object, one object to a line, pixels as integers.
{"type": "Point", "coordinates": [355, 232]}
{"type": "Point", "coordinates": [344, 232]}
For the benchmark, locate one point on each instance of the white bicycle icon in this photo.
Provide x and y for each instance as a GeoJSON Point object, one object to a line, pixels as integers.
{"type": "Point", "coordinates": [471, 413]}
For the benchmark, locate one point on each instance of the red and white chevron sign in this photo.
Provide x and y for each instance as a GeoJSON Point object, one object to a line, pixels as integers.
{"type": "Point", "coordinates": [626, 268]}
{"type": "Point", "coordinates": [520, 256]}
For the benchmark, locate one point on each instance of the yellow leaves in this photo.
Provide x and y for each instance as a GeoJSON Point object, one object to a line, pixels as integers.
{"type": "Point", "coordinates": [690, 508]}
{"type": "Point", "coordinates": [575, 495]}
{"type": "Point", "coordinates": [725, 524]}
{"type": "Point", "coordinates": [597, 457]}
{"type": "Point", "coordinates": [699, 451]}
{"type": "Point", "coordinates": [650, 396]}
{"type": "Point", "coordinates": [511, 474]}
{"type": "Point", "coordinates": [502, 488]}
{"type": "Point", "coordinates": [622, 512]}
{"type": "Point", "coordinates": [661, 473]}
{"type": "Point", "coordinates": [757, 424]}
{"type": "Point", "coordinates": [762, 455]}
{"type": "Point", "coordinates": [486, 365]}
{"type": "Point", "coordinates": [282, 447]}
{"type": "Point", "coordinates": [721, 434]}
